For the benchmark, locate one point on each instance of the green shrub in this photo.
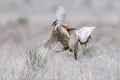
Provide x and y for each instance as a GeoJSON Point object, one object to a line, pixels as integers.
{"type": "Point", "coordinates": [22, 21]}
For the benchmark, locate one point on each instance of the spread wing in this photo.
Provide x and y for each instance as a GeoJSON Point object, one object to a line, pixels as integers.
{"type": "Point", "coordinates": [61, 35]}
{"type": "Point", "coordinates": [58, 32]}
{"type": "Point", "coordinates": [52, 40]}
{"type": "Point", "coordinates": [84, 33]}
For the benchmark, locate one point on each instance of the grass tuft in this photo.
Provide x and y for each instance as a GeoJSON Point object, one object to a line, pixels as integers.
{"type": "Point", "coordinates": [22, 21]}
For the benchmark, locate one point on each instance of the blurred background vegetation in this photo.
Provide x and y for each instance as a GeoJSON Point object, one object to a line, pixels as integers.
{"type": "Point", "coordinates": [27, 23]}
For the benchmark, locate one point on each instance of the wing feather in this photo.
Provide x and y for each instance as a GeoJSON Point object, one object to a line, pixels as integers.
{"type": "Point", "coordinates": [60, 14]}
{"type": "Point", "coordinates": [84, 33]}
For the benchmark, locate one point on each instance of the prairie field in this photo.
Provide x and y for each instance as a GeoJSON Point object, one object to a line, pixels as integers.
{"type": "Point", "coordinates": [25, 26]}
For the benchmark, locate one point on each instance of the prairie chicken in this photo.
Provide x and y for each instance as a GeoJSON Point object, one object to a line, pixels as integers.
{"type": "Point", "coordinates": [68, 37]}
{"type": "Point", "coordinates": [59, 33]}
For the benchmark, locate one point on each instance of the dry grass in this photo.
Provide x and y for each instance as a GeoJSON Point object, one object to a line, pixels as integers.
{"type": "Point", "coordinates": [98, 62]}
{"type": "Point", "coordinates": [44, 64]}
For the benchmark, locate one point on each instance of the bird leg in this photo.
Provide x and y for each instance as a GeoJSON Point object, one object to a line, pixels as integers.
{"type": "Point", "coordinates": [75, 54]}
{"type": "Point", "coordinates": [70, 50]}
{"type": "Point", "coordinates": [75, 50]}
{"type": "Point", "coordinates": [66, 48]}
{"type": "Point", "coordinates": [63, 49]}
{"type": "Point", "coordinates": [85, 43]}
{"type": "Point", "coordinates": [59, 50]}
